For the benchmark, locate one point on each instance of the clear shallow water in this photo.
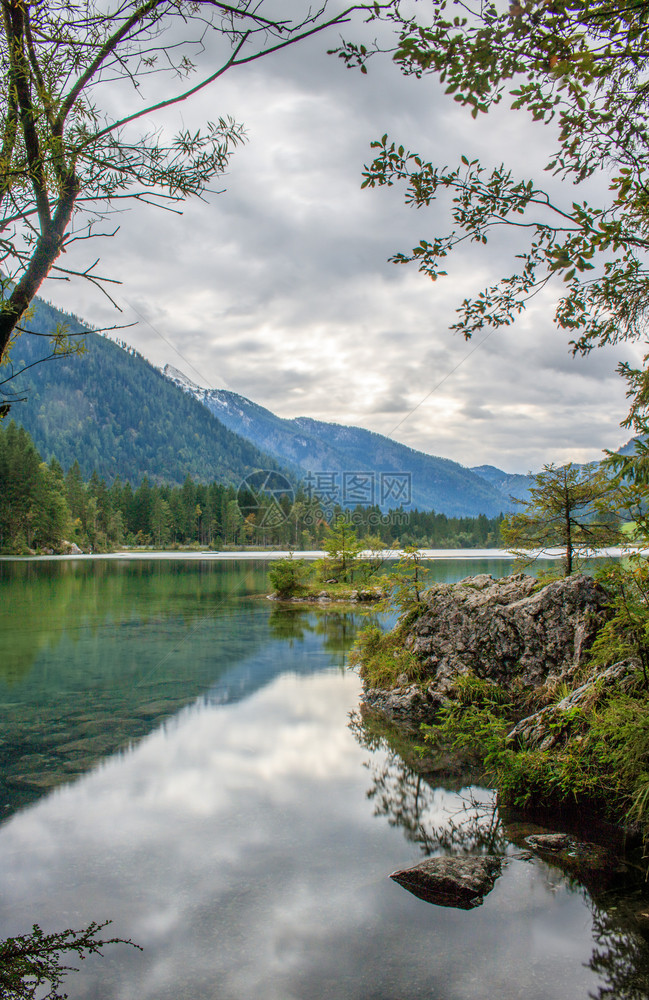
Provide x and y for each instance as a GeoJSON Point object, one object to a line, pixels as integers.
{"type": "Point", "coordinates": [200, 785]}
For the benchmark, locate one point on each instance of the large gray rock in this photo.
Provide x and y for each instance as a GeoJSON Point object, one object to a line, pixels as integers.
{"type": "Point", "coordinates": [506, 629]}
{"type": "Point", "coordinates": [459, 882]}
{"type": "Point", "coordinates": [70, 549]}
{"type": "Point", "coordinates": [408, 705]}
{"type": "Point", "coordinates": [501, 630]}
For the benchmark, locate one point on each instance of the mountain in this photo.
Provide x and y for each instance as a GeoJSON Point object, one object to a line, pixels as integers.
{"type": "Point", "coordinates": [356, 465]}
{"type": "Point", "coordinates": [114, 412]}
{"type": "Point", "coordinates": [629, 448]}
{"type": "Point", "coordinates": [510, 484]}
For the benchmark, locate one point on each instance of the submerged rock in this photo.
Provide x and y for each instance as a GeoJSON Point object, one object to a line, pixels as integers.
{"type": "Point", "coordinates": [459, 882]}
{"type": "Point", "coordinates": [598, 865]}
{"type": "Point", "coordinates": [550, 841]}
{"type": "Point", "coordinates": [593, 865]}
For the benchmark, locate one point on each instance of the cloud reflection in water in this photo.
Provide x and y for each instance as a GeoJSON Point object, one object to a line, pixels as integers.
{"type": "Point", "coordinates": [238, 846]}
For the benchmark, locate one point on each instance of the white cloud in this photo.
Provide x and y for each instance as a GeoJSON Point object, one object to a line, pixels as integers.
{"type": "Point", "coordinates": [280, 288]}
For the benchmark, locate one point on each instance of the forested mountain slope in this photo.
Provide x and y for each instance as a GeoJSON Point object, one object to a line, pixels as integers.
{"type": "Point", "coordinates": [115, 413]}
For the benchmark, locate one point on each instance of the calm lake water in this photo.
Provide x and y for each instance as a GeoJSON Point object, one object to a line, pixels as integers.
{"type": "Point", "coordinates": [177, 755]}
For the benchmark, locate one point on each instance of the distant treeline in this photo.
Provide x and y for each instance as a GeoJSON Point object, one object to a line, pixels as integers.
{"type": "Point", "coordinates": [42, 507]}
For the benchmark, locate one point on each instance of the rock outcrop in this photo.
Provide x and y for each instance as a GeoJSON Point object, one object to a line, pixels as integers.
{"type": "Point", "coordinates": [407, 705]}
{"type": "Point", "coordinates": [459, 882]}
{"type": "Point", "coordinates": [546, 728]}
{"type": "Point", "coordinates": [70, 549]}
{"type": "Point", "coordinates": [501, 630]}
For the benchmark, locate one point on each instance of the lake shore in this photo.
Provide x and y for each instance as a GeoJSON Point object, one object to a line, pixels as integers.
{"type": "Point", "coordinates": [268, 554]}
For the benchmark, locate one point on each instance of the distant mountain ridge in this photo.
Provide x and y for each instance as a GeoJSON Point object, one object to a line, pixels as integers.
{"type": "Point", "coordinates": [320, 450]}
{"type": "Point", "coordinates": [511, 484]}
{"type": "Point", "coordinates": [114, 412]}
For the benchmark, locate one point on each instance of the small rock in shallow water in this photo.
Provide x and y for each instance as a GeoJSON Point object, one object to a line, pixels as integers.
{"type": "Point", "coordinates": [459, 882]}
{"type": "Point", "coordinates": [550, 841]}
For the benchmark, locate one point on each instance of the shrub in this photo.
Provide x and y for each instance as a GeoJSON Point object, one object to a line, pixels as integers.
{"type": "Point", "coordinates": [383, 657]}
{"type": "Point", "coordinates": [626, 634]}
{"type": "Point", "coordinates": [601, 761]}
{"type": "Point", "coordinates": [288, 576]}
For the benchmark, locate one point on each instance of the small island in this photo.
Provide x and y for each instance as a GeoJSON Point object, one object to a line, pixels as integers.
{"type": "Point", "coordinates": [350, 572]}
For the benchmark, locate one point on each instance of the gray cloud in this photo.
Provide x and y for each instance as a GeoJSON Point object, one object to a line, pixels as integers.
{"type": "Point", "coordinates": [280, 288]}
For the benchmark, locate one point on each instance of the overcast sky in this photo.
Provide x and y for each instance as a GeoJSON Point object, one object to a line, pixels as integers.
{"type": "Point", "coordinates": [280, 289]}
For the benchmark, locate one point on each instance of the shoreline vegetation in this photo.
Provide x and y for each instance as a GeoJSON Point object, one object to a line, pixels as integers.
{"type": "Point", "coordinates": [592, 742]}
{"type": "Point", "coordinates": [541, 687]}
{"type": "Point", "coordinates": [542, 684]}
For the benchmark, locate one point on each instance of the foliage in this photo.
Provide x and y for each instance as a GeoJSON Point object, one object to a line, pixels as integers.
{"type": "Point", "coordinates": [40, 507]}
{"type": "Point", "coordinates": [343, 548]}
{"type": "Point", "coordinates": [633, 468]}
{"type": "Point", "coordinates": [572, 507]}
{"type": "Point", "coordinates": [626, 633]}
{"type": "Point", "coordinates": [32, 963]}
{"type": "Point", "coordinates": [474, 719]}
{"type": "Point", "coordinates": [579, 67]}
{"type": "Point", "coordinates": [382, 657]}
{"type": "Point", "coordinates": [372, 557]}
{"type": "Point", "coordinates": [69, 162]}
{"type": "Point", "coordinates": [33, 505]}
{"type": "Point", "coordinates": [600, 761]}
{"type": "Point", "coordinates": [406, 583]}
{"type": "Point", "coordinates": [287, 577]}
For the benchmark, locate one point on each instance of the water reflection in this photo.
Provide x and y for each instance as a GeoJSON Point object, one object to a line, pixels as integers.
{"type": "Point", "coordinates": [235, 839]}
{"type": "Point", "coordinates": [620, 957]}
{"type": "Point", "coordinates": [237, 847]}
{"type": "Point", "coordinates": [409, 797]}
{"type": "Point", "coordinates": [97, 655]}
{"type": "Point", "coordinates": [412, 788]}
{"type": "Point", "coordinates": [336, 628]}
{"type": "Point", "coordinates": [42, 604]}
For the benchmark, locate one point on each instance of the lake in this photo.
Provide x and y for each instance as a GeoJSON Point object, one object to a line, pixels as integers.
{"type": "Point", "coordinates": [181, 756]}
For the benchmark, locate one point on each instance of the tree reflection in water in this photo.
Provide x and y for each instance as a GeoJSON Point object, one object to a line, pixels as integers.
{"type": "Point", "coordinates": [621, 954]}
{"type": "Point", "coordinates": [413, 795]}
{"type": "Point", "coordinates": [294, 623]}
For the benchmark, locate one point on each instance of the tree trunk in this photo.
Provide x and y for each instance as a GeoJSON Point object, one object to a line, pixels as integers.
{"type": "Point", "coordinates": [48, 248]}
{"type": "Point", "coordinates": [568, 544]}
